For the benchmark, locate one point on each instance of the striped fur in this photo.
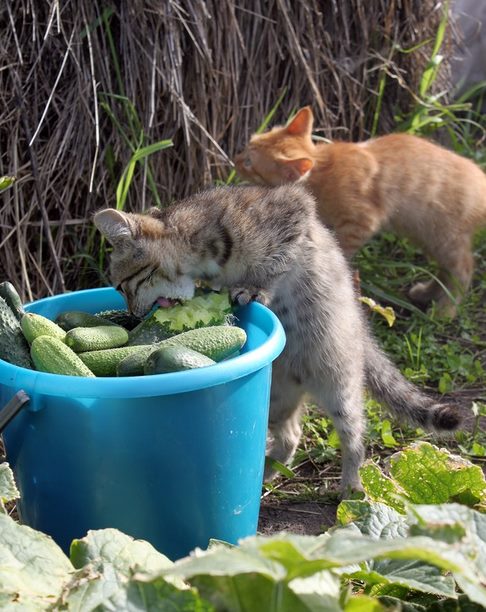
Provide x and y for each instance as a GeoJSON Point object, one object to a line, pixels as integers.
{"type": "Point", "coordinates": [267, 245]}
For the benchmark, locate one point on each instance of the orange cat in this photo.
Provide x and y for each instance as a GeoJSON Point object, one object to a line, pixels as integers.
{"type": "Point", "coordinates": [399, 182]}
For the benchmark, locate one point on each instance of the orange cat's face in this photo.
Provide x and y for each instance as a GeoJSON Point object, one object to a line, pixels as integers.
{"type": "Point", "coordinates": [282, 155]}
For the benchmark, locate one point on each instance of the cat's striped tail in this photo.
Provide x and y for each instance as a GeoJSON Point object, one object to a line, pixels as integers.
{"type": "Point", "coordinates": [405, 400]}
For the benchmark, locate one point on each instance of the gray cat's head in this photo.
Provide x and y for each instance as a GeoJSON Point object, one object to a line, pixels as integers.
{"type": "Point", "coordinates": [147, 263]}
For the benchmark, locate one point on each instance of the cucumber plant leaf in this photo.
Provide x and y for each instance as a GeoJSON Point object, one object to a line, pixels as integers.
{"type": "Point", "coordinates": [33, 569]}
{"type": "Point", "coordinates": [8, 488]}
{"type": "Point", "coordinates": [425, 474]}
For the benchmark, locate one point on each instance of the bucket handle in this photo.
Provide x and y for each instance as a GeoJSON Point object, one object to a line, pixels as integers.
{"type": "Point", "coordinates": [12, 408]}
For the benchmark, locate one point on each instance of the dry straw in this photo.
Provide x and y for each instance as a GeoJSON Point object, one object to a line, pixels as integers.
{"type": "Point", "coordinates": [83, 84]}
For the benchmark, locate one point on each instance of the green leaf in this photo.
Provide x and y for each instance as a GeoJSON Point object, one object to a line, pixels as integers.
{"type": "Point", "coordinates": [454, 523]}
{"type": "Point", "coordinates": [296, 564]}
{"type": "Point", "coordinates": [256, 574]}
{"type": "Point", "coordinates": [460, 536]}
{"type": "Point", "coordinates": [333, 439]}
{"type": "Point", "coordinates": [412, 574]}
{"type": "Point", "coordinates": [387, 312]}
{"type": "Point", "coordinates": [158, 594]}
{"type": "Point", "coordinates": [251, 592]}
{"type": "Point", "coordinates": [387, 435]}
{"type": "Point", "coordinates": [122, 551]}
{"type": "Point", "coordinates": [478, 450]}
{"type": "Point", "coordinates": [269, 116]}
{"type": "Point", "coordinates": [279, 467]}
{"type": "Point", "coordinates": [461, 604]}
{"type": "Point", "coordinates": [144, 152]}
{"type": "Point", "coordinates": [120, 573]}
{"type": "Point", "coordinates": [221, 560]}
{"type": "Point", "coordinates": [373, 519]}
{"type": "Point", "coordinates": [425, 474]}
{"type": "Point", "coordinates": [381, 488]}
{"type": "Point", "coordinates": [363, 603]}
{"type": "Point", "coordinates": [8, 488]}
{"type": "Point", "coordinates": [380, 521]}
{"type": "Point", "coordinates": [430, 475]}
{"type": "Point", "coordinates": [6, 182]}
{"type": "Point", "coordinates": [445, 383]}
{"type": "Point", "coordinates": [318, 592]}
{"type": "Point", "coordinates": [33, 568]}
{"type": "Point", "coordinates": [106, 589]}
{"type": "Point", "coordinates": [396, 604]}
{"type": "Point", "coordinates": [94, 588]}
{"type": "Point", "coordinates": [262, 574]}
{"type": "Point", "coordinates": [127, 176]}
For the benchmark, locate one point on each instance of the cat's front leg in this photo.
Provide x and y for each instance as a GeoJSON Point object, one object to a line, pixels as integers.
{"type": "Point", "coordinates": [244, 295]}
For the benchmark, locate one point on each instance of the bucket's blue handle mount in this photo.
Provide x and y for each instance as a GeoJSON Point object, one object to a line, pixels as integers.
{"type": "Point", "coordinates": [12, 408]}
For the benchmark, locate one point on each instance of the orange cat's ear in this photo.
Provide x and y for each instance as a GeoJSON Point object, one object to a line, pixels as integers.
{"type": "Point", "coordinates": [294, 169]}
{"type": "Point", "coordinates": [114, 225]}
{"type": "Point", "coordinates": [302, 123]}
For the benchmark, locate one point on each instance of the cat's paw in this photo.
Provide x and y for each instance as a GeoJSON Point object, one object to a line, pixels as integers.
{"type": "Point", "coordinates": [245, 295]}
{"type": "Point", "coordinates": [446, 309]}
{"type": "Point", "coordinates": [423, 292]}
{"type": "Point", "coordinates": [351, 490]}
{"type": "Point", "coordinates": [270, 471]}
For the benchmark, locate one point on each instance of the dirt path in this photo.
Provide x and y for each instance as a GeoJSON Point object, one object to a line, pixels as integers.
{"type": "Point", "coordinates": [303, 518]}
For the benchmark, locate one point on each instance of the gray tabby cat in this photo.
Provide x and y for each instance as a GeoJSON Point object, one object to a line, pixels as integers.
{"type": "Point", "coordinates": [267, 245]}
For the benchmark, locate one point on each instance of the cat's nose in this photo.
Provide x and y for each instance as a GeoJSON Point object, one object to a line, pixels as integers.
{"type": "Point", "coordinates": [239, 159]}
{"type": "Point", "coordinates": [240, 163]}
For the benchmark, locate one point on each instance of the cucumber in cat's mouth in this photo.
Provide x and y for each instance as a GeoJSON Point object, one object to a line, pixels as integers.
{"type": "Point", "coordinates": [164, 302]}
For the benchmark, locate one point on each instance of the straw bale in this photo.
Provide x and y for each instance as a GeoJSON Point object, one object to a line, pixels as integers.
{"type": "Point", "coordinates": [201, 72]}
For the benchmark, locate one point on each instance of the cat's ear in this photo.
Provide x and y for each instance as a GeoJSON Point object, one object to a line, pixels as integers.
{"type": "Point", "coordinates": [115, 225]}
{"type": "Point", "coordinates": [294, 169]}
{"type": "Point", "coordinates": [302, 123]}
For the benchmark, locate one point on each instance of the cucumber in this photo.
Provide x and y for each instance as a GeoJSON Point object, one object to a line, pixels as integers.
{"type": "Point", "coordinates": [34, 325]}
{"type": "Point", "coordinates": [148, 332]}
{"type": "Point", "coordinates": [75, 318]}
{"type": "Point", "coordinates": [96, 338]}
{"type": "Point", "coordinates": [13, 345]}
{"type": "Point", "coordinates": [104, 363]}
{"type": "Point", "coordinates": [175, 359]}
{"type": "Point", "coordinates": [217, 343]}
{"type": "Point", "coordinates": [52, 355]}
{"type": "Point", "coordinates": [203, 310]}
{"type": "Point", "coordinates": [120, 317]}
{"type": "Point", "coordinates": [11, 296]}
{"type": "Point", "coordinates": [132, 365]}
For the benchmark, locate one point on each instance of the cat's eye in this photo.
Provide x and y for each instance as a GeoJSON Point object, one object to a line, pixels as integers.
{"type": "Point", "coordinates": [247, 162]}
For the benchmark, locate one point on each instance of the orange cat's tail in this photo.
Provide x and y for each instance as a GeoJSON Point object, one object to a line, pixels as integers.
{"type": "Point", "coordinates": [405, 400]}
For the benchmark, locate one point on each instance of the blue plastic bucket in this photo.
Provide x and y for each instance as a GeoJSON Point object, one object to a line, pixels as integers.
{"type": "Point", "coordinates": [175, 459]}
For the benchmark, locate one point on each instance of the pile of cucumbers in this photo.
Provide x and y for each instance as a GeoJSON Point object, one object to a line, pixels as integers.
{"type": "Point", "coordinates": [83, 344]}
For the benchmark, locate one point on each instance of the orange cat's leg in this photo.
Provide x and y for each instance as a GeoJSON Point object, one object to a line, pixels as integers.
{"type": "Point", "coordinates": [352, 234]}
{"type": "Point", "coordinates": [457, 279]}
{"type": "Point", "coordinates": [456, 269]}
{"type": "Point", "coordinates": [424, 292]}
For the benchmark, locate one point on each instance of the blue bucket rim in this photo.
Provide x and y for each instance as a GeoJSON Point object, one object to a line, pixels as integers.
{"type": "Point", "coordinates": [34, 382]}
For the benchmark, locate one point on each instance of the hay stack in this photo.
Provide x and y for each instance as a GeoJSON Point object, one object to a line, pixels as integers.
{"type": "Point", "coordinates": [202, 72]}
